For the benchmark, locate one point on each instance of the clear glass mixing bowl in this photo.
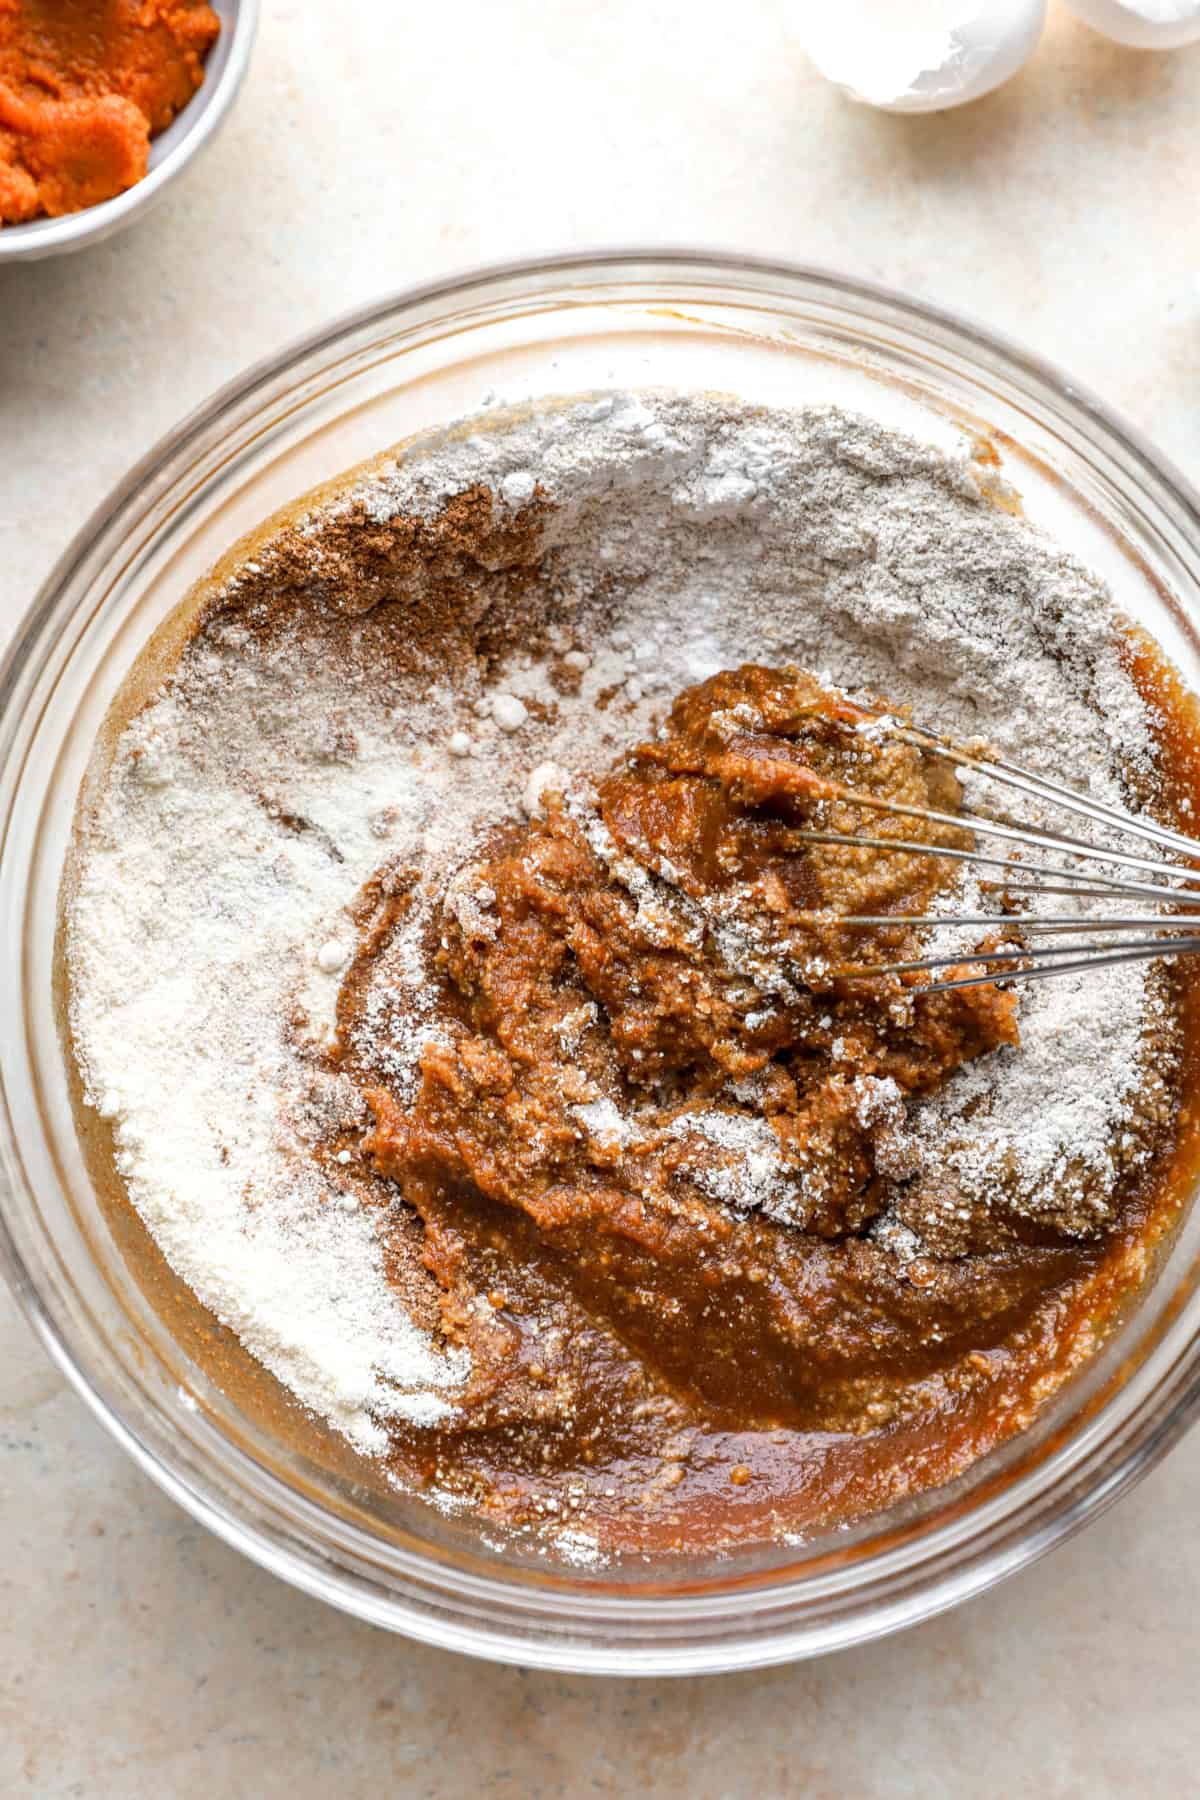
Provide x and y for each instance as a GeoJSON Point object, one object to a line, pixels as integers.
{"type": "Point", "coordinates": [765, 332]}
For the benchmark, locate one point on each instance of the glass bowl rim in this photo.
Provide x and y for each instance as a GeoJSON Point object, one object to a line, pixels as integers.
{"type": "Point", "coordinates": [1156, 1421]}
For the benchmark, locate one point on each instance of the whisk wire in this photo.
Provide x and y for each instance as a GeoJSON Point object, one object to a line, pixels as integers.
{"type": "Point", "coordinates": [933, 921]}
{"type": "Point", "coordinates": [1042, 787]}
{"type": "Point", "coordinates": [989, 826]}
{"type": "Point", "coordinates": [1188, 946]}
{"type": "Point", "coordinates": [1016, 954]}
{"type": "Point", "coordinates": [1098, 886]}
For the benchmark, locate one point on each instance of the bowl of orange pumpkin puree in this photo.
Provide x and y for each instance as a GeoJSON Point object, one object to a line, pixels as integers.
{"type": "Point", "coordinates": [102, 103]}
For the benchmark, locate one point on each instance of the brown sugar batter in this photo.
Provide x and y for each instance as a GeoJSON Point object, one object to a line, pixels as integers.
{"type": "Point", "coordinates": [602, 1015]}
{"type": "Point", "coordinates": [84, 86]}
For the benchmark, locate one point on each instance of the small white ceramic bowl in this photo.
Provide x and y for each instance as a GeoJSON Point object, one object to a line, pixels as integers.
{"type": "Point", "coordinates": [170, 151]}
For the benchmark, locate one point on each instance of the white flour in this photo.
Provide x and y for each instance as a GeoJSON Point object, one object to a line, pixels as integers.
{"type": "Point", "coordinates": [683, 536]}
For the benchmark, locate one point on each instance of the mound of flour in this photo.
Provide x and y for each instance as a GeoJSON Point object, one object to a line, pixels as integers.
{"type": "Point", "coordinates": [677, 536]}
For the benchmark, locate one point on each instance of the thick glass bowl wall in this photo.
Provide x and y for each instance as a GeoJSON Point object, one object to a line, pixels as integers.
{"type": "Point", "coordinates": [408, 365]}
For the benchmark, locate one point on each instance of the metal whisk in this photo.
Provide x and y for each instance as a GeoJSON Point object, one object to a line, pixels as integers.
{"type": "Point", "coordinates": [1080, 867]}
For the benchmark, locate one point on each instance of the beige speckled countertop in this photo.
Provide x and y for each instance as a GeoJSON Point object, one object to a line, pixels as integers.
{"type": "Point", "coordinates": [377, 144]}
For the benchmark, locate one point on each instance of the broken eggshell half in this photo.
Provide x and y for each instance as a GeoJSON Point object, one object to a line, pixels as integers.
{"type": "Point", "coordinates": [924, 56]}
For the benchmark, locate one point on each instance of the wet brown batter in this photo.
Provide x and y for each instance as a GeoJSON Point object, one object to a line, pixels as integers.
{"type": "Point", "coordinates": [650, 1144]}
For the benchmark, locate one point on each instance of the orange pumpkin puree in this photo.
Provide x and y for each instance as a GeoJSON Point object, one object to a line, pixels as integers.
{"type": "Point", "coordinates": [84, 86]}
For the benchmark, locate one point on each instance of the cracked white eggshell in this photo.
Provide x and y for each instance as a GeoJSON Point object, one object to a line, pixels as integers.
{"type": "Point", "coordinates": [920, 57]}
{"type": "Point", "coordinates": [1142, 24]}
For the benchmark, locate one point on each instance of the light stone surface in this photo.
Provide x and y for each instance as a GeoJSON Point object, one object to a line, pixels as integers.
{"type": "Point", "coordinates": [377, 144]}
